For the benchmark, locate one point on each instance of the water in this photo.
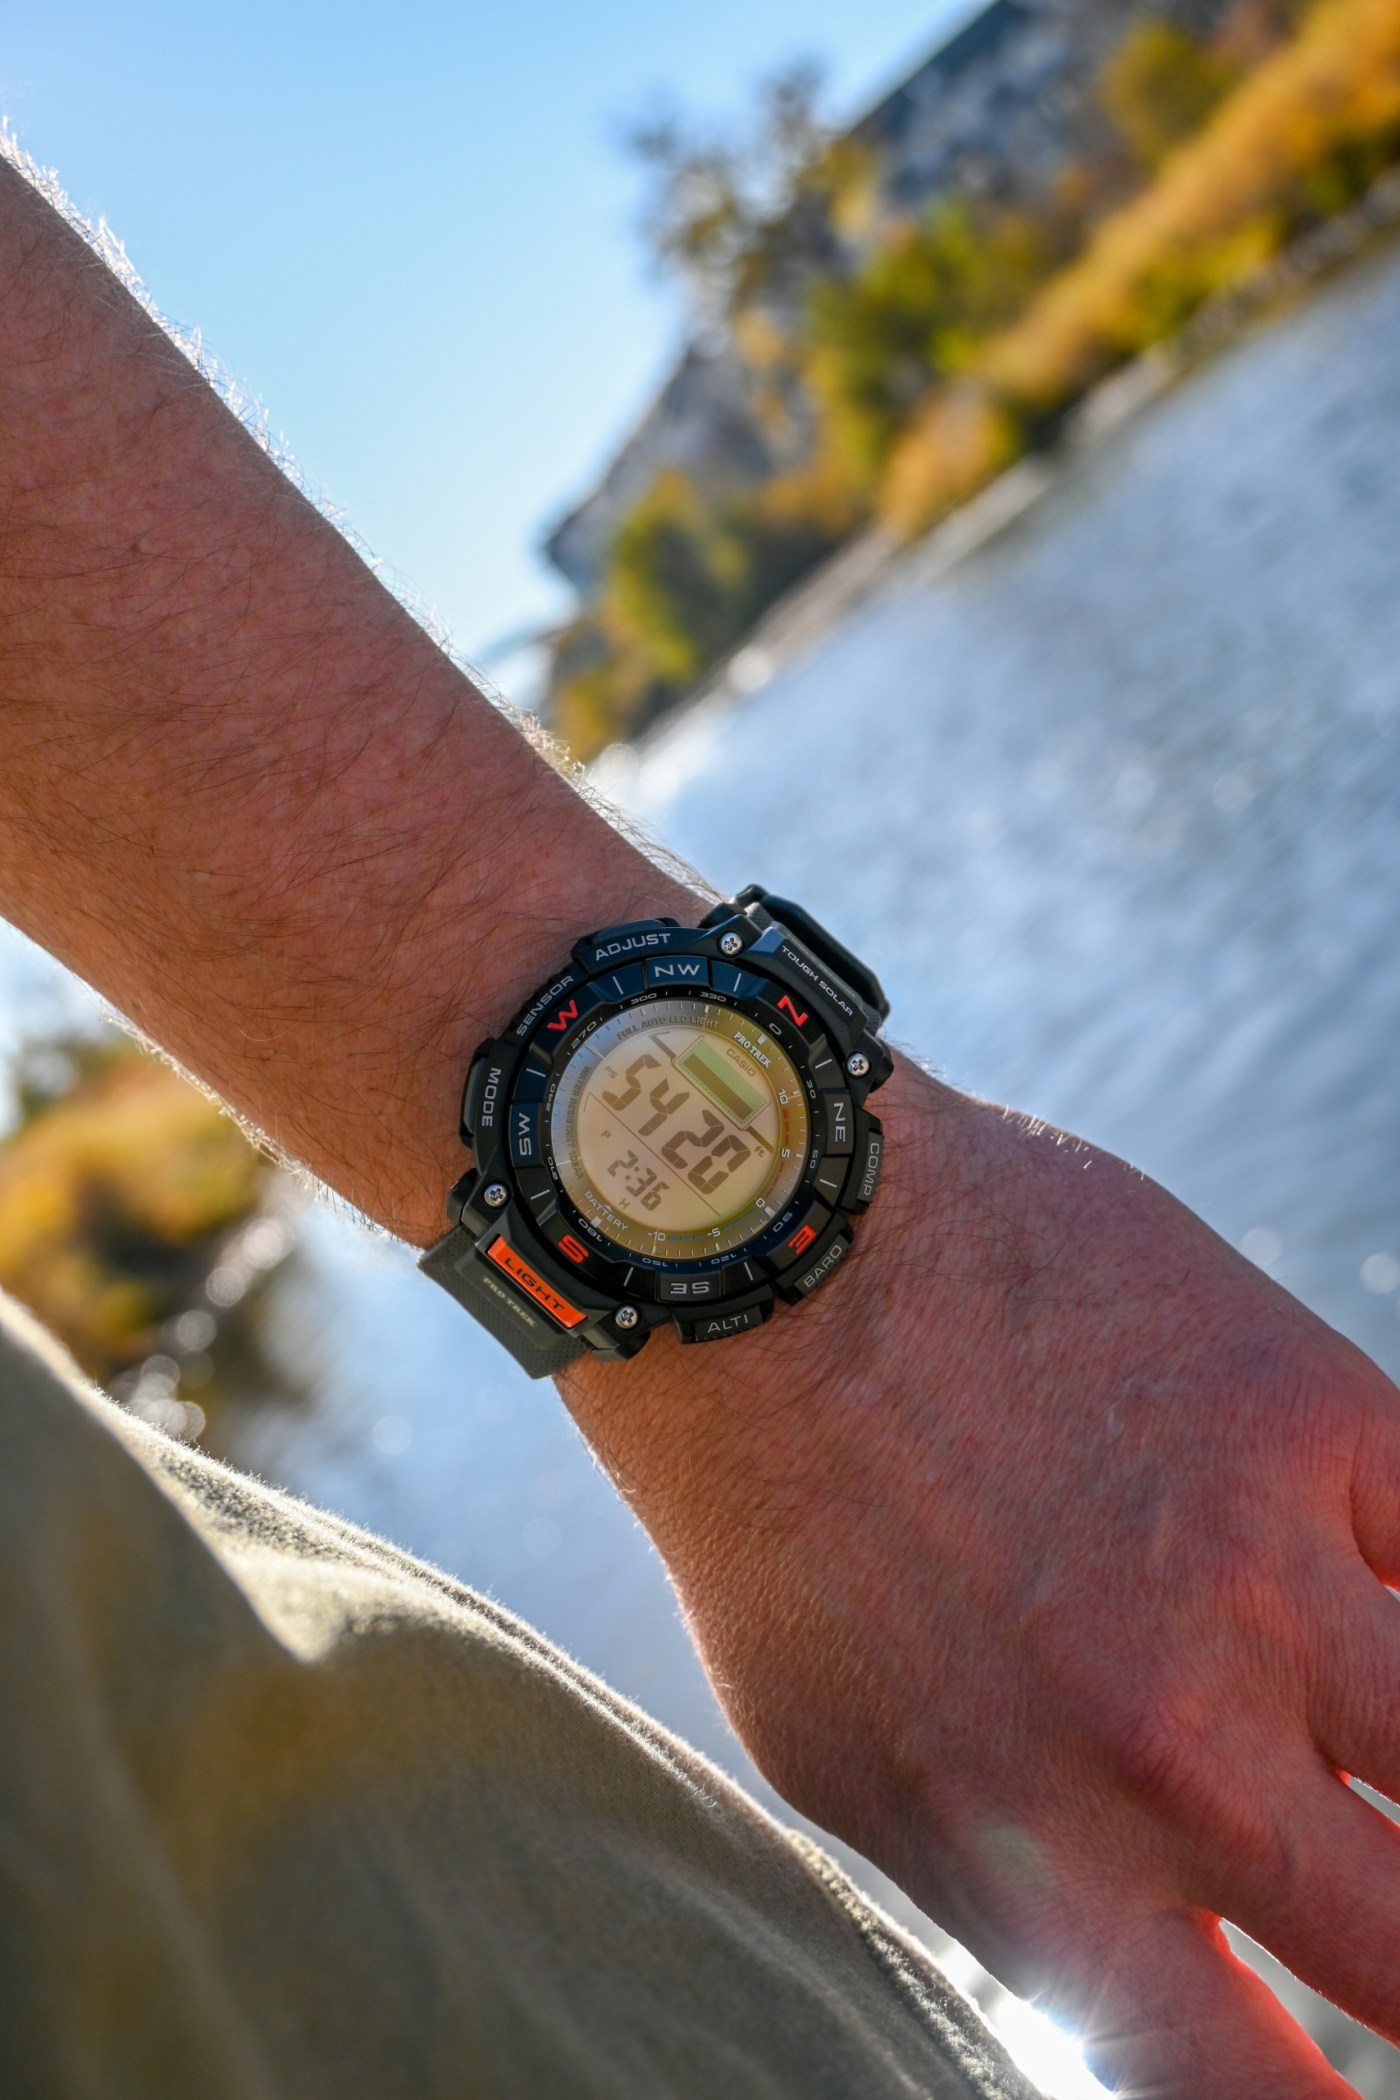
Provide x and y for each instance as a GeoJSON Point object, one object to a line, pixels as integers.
{"type": "Point", "coordinates": [1113, 808]}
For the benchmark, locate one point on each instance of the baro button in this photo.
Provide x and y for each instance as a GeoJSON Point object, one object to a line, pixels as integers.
{"type": "Point", "coordinates": [801, 1238]}
{"type": "Point", "coordinates": [827, 1258]}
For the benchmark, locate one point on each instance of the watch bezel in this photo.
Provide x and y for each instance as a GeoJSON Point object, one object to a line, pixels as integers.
{"type": "Point", "coordinates": [758, 1243]}
{"type": "Point", "coordinates": [519, 1245]}
{"type": "Point", "coordinates": [560, 1019]}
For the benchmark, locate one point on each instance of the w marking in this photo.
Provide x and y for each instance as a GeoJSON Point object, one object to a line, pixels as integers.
{"type": "Point", "coordinates": [563, 1017]}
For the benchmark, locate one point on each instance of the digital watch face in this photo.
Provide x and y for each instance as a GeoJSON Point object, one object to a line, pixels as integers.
{"type": "Point", "coordinates": [680, 1129]}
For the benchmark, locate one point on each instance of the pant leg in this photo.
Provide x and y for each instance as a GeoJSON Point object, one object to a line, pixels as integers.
{"type": "Point", "coordinates": [286, 1813]}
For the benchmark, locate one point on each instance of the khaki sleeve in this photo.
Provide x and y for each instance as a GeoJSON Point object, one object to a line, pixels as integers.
{"type": "Point", "coordinates": [283, 1812]}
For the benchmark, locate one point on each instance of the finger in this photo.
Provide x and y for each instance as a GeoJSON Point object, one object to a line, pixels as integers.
{"type": "Point", "coordinates": [1355, 1710]}
{"type": "Point", "coordinates": [1375, 1481]}
{"type": "Point", "coordinates": [1317, 1882]}
{"type": "Point", "coordinates": [1173, 2014]}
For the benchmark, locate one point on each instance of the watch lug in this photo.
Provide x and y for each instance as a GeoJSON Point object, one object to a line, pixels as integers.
{"type": "Point", "coordinates": [459, 1196]}
{"type": "Point", "coordinates": [825, 946]}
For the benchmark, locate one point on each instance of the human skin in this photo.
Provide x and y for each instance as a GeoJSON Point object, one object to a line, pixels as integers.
{"type": "Point", "coordinates": [1042, 1556]}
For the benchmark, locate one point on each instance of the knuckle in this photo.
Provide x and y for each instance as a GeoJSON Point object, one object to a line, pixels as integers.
{"type": "Point", "coordinates": [1173, 1763]}
{"type": "Point", "coordinates": [1158, 1743]}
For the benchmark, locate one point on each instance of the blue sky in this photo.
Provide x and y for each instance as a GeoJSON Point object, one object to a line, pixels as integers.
{"type": "Point", "coordinates": [410, 231]}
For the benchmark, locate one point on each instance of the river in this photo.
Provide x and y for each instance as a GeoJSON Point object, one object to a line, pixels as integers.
{"type": "Point", "coordinates": [1113, 807]}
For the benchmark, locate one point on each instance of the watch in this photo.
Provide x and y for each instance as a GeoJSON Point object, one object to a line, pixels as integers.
{"type": "Point", "coordinates": [674, 1128]}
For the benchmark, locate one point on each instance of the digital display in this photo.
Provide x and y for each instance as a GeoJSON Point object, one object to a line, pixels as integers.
{"type": "Point", "coordinates": [680, 1129]}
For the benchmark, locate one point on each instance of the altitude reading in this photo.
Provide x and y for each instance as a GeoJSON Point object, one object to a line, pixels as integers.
{"type": "Point", "coordinates": [680, 1129]}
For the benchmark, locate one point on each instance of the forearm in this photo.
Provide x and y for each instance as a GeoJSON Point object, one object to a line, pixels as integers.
{"type": "Point", "coordinates": [242, 792]}
{"type": "Point", "coordinates": [1019, 1551]}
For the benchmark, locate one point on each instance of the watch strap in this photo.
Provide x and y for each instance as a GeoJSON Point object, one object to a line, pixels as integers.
{"type": "Point", "coordinates": [825, 946]}
{"type": "Point", "coordinates": [538, 1346]}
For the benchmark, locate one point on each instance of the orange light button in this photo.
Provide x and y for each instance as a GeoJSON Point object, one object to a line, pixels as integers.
{"type": "Point", "coordinates": [520, 1272]}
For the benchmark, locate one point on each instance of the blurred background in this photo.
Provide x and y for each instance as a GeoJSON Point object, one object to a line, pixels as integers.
{"type": "Point", "coordinates": [943, 464]}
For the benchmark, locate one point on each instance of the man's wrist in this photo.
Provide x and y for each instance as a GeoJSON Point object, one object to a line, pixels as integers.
{"type": "Point", "coordinates": [526, 937]}
{"type": "Point", "coordinates": [687, 1430]}
{"type": "Point", "coordinates": [242, 792]}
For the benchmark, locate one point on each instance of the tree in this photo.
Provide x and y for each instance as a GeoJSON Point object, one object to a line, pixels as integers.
{"type": "Point", "coordinates": [727, 207]}
{"type": "Point", "coordinates": [1160, 85]}
{"type": "Point", "coordinates": [914, 312]}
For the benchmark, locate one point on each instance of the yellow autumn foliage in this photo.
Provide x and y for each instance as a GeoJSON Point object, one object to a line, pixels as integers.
{"type": "Point", "coordinates": [1299, 137]}
{"type": "Point", "coordinates": [111, 1198]}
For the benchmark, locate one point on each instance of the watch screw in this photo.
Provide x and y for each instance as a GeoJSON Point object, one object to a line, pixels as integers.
{"type": "Point", "coordinates": [495, 1194]}
{"type": "Point", "coordinates": [857, 1066]}
{"type": "Point", "coordinates": [626, 1316]}
{"type": "Point", "coordinates": [730, 943]}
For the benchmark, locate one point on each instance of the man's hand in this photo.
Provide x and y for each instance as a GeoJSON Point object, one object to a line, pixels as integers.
{"type": "Point", "coordinates": [1040, 1555]}
{"type": "Point", "coordinates": [1042, 1559]}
